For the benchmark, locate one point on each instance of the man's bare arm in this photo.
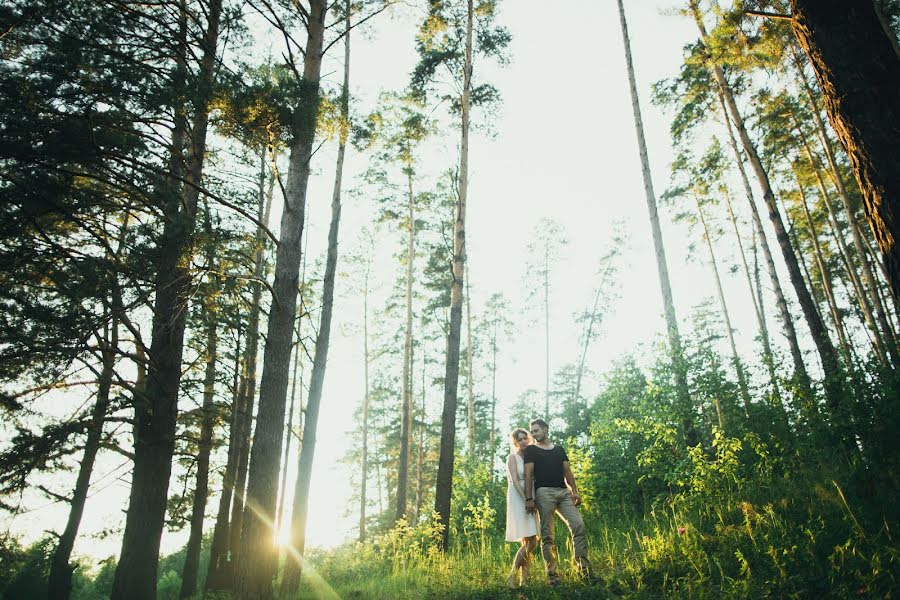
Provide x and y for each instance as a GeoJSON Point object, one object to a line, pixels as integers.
{"type": "Point", "coordinates": [529, 487]}
{"type": "Point", "coordinates": [570, 481]}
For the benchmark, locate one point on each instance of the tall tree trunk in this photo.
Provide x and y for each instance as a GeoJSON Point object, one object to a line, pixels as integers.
{"type": "Point", "coordinates": [59, 582]}
{"type": "Point", "coordinates": [493, 395]}
{"type": "Point", "coordinates": [364, 467]}
{"type": "Point", "coordinates": [156, 409]}
{"type": "Point", "coordinates": [444, 485]}
{"type": "Point", "coordinates": [834, 377]}
{"type": "Point", "coordinates": [768, 359]}
{"type": "Point", "coordinates": [297, 541]}
{"type": "Point", "coordinates": [470, 387]}
{"type": "Point", "coordinates": [589, 331]}
{"type": "Point", "coordinates": [824, 275]}
{"type": "Point", "coordinates": [735, 359]}
{"type": "Point", "coordinates": [684, 400]}
{"type": "Point", "coordinates": [198, 510]}
{"type": "Point", "coordinates": [859, 73]}
{"type": "Point", "coordinates": [420, 451]}
{"type": "Point", "coordinates": [219, 572]}
{"type": "Point", "coordinates": [801, 376]}
{"type": "Point", "coordinates": [547, 330]}
{"type": "Point", "coordinates": [256, 564]}
{"type": "Point", "coordinates": [406, 418]}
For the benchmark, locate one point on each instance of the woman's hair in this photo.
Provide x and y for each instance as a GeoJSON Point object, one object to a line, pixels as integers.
{"type": "Point", "coordinates": [515, 434]}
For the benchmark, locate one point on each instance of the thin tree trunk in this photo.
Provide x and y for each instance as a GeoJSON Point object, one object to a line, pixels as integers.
{"type": "Point", "coordinates": [444, 484]}
{"type": "Point", "coordinates": [218, 553]}
{"type": "Point", "coordinates": [493, 395]}
{"type": "Point", "coordinates": [470, 388]}
{"type": "Point", "coordinates": [589, 329]}
{"type": "Point", "coordinates": [735, 359]}
{"type": "Point", "coordinates": [686, 408]}
{"type": "Point", "coordinates": [297, 542]}
{"type": "Point", "coordinates": [364, 468]}
{"type": "Point", "coordinates": [256, 566]}
{"type": "Point", "coordinates": [59, 582]}
{"type": "Point", "coordinates": [156, 409]}
{"type": "Point", "coordinates": [406, 417]}
{"type": "Point", "coordinates": [420, 452]}
{"type": "Point", "coordinates": [198, 510]}
{"type": "Point", "coordinates": [824, 275]}
{"type": "Point", "coordinates": [546, 330]}
{"type": "Point", "coordinates": [801, 376]}
{"type": "Point", "coordinates": [768, 359]}
{"type": "Point", "coordinates": [859, 73]}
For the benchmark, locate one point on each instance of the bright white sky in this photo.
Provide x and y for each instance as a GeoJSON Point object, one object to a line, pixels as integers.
{"type": "Point", "coordinates": [564, 148]}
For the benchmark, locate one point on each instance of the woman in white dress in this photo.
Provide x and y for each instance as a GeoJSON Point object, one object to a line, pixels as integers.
{"type": "Point", "coordinates": [520, 526]}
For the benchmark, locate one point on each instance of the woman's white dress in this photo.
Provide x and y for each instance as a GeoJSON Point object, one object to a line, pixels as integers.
{"type": "Point", "coordinates": [519, 524]}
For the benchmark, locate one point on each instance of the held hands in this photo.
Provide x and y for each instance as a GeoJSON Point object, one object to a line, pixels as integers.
{"type": "Point", "coordinates": [529, 506]}
{"type": "Point", "coordinates": [576, 498]}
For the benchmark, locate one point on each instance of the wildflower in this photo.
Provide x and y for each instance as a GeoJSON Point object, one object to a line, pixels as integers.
{"type": "Point", "coordinates": [682, 530]}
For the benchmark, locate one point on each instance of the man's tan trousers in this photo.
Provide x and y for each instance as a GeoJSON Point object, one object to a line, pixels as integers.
{"type": "Point", "coordinates": [557, 500]}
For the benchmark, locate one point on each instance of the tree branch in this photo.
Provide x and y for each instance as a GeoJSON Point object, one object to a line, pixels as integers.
{"type": "Point", "coordinates": [768, 15]}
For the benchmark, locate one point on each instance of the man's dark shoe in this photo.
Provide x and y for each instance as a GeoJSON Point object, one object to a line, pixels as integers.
{"type": "Point", "coordinates": [553, 580]}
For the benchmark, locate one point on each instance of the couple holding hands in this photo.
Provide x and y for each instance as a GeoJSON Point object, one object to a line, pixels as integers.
{"type": "Point", "coordinates": [541, 484]}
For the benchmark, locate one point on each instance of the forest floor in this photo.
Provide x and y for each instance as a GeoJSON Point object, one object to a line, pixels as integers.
{"type": "Point", "coordinates": [756, 553]}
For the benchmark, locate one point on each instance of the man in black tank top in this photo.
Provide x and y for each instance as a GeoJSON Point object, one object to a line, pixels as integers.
{"type": "Point", "coordinates": [555, 491]}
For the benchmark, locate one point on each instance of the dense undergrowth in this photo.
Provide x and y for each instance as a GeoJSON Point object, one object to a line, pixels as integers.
{"type": "Point", "coordinates": [766, 506]}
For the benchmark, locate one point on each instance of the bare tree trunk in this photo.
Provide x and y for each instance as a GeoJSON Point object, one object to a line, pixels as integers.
{"type": "Point", "coordinates": [292, 568]}
{"type": "Point", "coordinates": [406, 419]}
{"type": "Point", "coordinates": [59, 581]}
{"type": "Point", "coordinates": [470, 388]}
{"type": "Point", "coordinates": [735, 359]}
{"type": "Point", "coordinates": [824, 275]}
{"type": "Point", "coordinates": [364, 468]}
{"type": "Point", "coordinates": [493, 395]}
{"type": "Point", "coordinates": [256, 565]}
{"type": "Point", "coordinates": [686, 408]}
{"type": "Point", "coordinates": [858, 71]}
{"type": "Point", "coordinates": [801, 376]}
{"type": "Point", "coordinates": [768, 359]}
{"type": "Point", "coordinates": [156, 409]}
{"type": "Point", "coordinates": [589, 329]}
{"type": "Point", "coordinates": [444, 484]}
{"type": "Point", "coordinates": [198, 510]}
{"type": "Point", "coordinates": [420, 452]}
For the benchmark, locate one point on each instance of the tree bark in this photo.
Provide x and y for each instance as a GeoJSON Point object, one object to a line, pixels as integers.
{"type": "Point", "coordinates": [735, 359]}
{"type": "Point", "coordinates": [297, 541]}
{"type": "Point", "coordinates": [59, 582]}
{"type": "Point", "coordinates": [801, 376]}
{"type": "Point", "coordinates": [684, 400]}
{"type": "Point", "coordinates": [407, 405]}
{"type": "Point", "coordinates": [444, 484]}
{"type": "Point", "coordinates": [364, 468]}
{"type": "Point", "coordinates": [198, 510]}
{"type": "Point", "coordinates": [768, 359]}
{"type": "Point", "coordinates": [156, 409]}
{"type": "Point", "coordinates": [256, 564]}
{"type": "Point", "coordinates": [470, 388]}
{"type": "Point", "coordinates": [824, 275]}
{"type": "Point", "coordinates": [858, 71]}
